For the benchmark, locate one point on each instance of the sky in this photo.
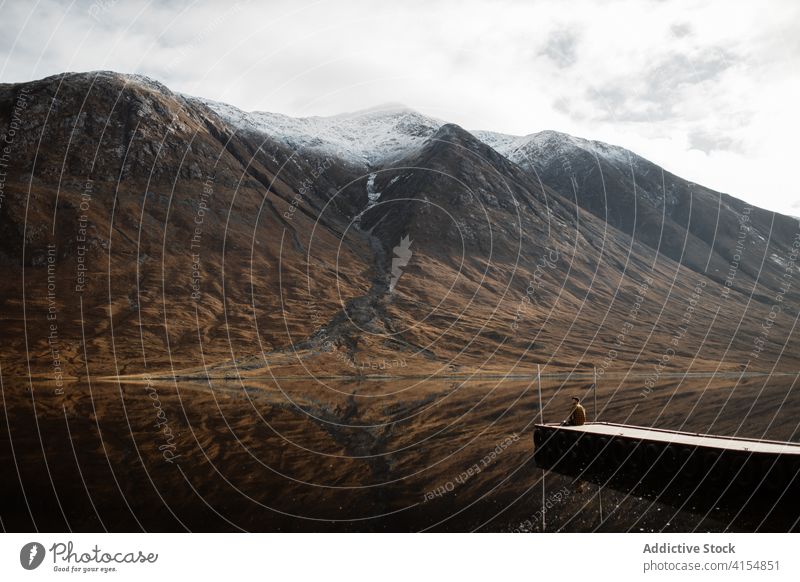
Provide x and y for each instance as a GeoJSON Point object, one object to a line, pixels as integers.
{"type": "Point", "coordinates": [707, 89]}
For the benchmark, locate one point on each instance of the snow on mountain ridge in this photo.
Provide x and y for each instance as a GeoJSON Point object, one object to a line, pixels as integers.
{"type": "Point", "coordinates": [542, 148]}
{"type": "Point", "coordinates": [377, 136]}
{"type": "Point", "coordinates": [364, 138]}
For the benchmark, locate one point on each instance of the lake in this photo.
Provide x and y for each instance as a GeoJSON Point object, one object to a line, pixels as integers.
{"type": "Point", "coordinates": [399, 454]}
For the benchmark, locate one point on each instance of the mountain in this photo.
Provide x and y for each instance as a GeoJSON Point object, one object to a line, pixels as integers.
{"type": "Point", "coordinates": [168, 234]}
{"type": "Point", "coordinates": [687, 222]}
{"type": "Point", "coordinates": [362, 139]}
{"type": "Point", "coordinates": [166, 229]}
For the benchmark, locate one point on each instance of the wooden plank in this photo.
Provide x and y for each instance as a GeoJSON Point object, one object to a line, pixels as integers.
{"type": "Point", "coordinates": [685, 438]}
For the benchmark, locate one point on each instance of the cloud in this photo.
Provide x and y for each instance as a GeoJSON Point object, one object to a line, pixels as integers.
{"type": "Point", "coordinates": [653, 94]}
{"type": "Point", "coordinates": [681, 29]}
{"type": "Point", "coordinates": [560, 47]}
{"type": "Point", "coordinates": [676, 70]}
{"type": "Point", "coordinates": [709, 141]}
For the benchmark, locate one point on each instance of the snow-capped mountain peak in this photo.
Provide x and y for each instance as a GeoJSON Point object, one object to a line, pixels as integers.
{"type": "Point", "coordinates": [377, 136]}
{"type": "Point", "coordinates": [543, 148]}
{"type": "Point", "coordinates": [363, 138]}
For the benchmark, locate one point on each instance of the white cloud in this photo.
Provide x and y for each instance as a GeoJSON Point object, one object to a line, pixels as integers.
{"type": "Point", "coordinates": [707, 89]}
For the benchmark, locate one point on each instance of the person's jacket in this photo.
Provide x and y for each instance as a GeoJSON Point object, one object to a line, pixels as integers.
{"type": "Point", "coordinates": [578, 416]}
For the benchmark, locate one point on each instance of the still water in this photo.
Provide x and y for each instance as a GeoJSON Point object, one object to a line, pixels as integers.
{"type": "Point", "coordinates": [368, 455]}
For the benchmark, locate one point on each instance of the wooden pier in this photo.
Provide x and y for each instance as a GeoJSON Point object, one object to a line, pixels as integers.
{"type": "Point", "coordinates": [752, 479]}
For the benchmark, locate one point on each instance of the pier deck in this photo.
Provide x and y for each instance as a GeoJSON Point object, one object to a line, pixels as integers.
{"type": "Point", "coordinates": [683, 438]}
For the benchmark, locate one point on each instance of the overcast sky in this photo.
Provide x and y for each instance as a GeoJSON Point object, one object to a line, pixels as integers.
{"type": "Point", "coordinates": [709, 90]}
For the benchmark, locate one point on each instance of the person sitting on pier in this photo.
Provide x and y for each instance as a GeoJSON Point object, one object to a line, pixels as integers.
{"type": "Point", "coordinates": [578, 415]}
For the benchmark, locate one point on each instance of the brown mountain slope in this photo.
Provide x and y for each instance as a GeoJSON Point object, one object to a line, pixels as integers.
{"type": "Point", "coordinates": [167, 230]}
{"type": "Point", "coordinates": [184, 243]}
